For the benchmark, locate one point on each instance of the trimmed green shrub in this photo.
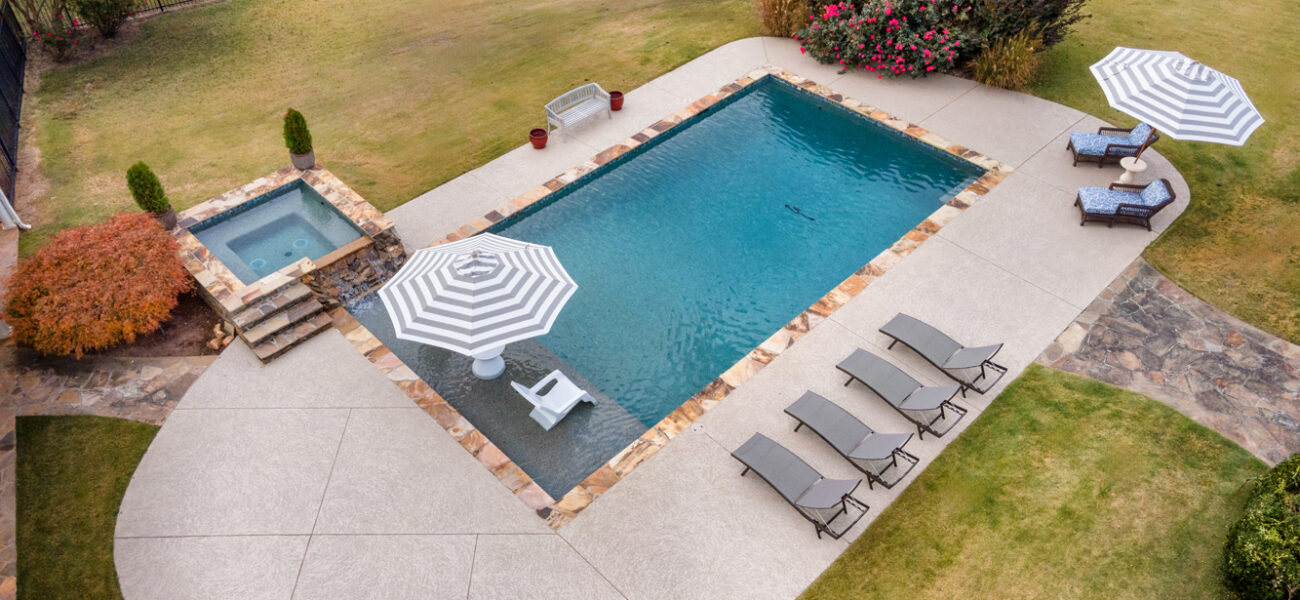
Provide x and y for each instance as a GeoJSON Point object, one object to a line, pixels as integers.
{"type": "Point", "coordinates": [296, 136]}
{"type": "Point", "coordinates": [783, 18]}
{"type": "Point", "coordinates": [146, 189]}
{"type": "Point", "coordinates": [1262, 554]}
{"type": "Point", "coordinates": [1008, 63]}
{"type": "Point", "coordinates": [994, 20]}
{"type": "Point", "coordinates": [889, 37]}
{"type": "Point", "coordinates": [104, 15]}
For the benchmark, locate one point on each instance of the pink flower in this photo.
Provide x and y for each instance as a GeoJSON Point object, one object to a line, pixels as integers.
{"type": "Point", "coordinates": [802, 51]}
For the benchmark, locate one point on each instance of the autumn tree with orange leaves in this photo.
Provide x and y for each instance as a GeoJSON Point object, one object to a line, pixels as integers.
{"type": "Point", "coordinates": [96, 286]}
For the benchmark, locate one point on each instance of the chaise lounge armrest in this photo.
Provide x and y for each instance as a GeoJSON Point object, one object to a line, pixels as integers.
{"type": "Point", "coordinates": [969, 358]}
{"type": "Point", "coordinates": [826, 493]}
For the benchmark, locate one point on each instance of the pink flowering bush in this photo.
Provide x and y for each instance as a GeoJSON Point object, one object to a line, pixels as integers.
{"type": "Point", "coordinates": [58, 36]}
{"type": "Point", "coordinates": [889, 37]}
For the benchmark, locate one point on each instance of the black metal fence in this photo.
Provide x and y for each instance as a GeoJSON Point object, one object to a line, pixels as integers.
{"type": "Point", "coordinates": [150, 7]}
{"type": "Point", "coordinates": [13, 64]}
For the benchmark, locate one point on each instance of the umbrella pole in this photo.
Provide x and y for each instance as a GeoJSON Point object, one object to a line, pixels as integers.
{"type": "Point", "coordinates": [489, 364]}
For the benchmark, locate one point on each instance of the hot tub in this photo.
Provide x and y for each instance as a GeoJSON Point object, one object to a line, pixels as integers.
{"type": "Point", "coordinates": [272, 231]}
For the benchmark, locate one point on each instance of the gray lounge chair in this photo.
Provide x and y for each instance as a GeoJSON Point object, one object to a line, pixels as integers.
{"type": "Point", "coordinates": [957, 361]}
{"type": "Point", "coordinates": [923, 406]}
{"type": "Point", "coordinates": [873, 453]}
{"type": "Point", "coordinates": [818, 499]}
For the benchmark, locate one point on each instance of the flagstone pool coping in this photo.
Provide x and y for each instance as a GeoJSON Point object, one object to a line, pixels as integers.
{"type": "Point", "coordinates": [221, 286]}
{"type": "Point", "coordinates": [558, 512]}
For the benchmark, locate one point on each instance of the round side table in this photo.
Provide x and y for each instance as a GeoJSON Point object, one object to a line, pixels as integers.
{"type": "Point", "coordinates": [1132, 166]}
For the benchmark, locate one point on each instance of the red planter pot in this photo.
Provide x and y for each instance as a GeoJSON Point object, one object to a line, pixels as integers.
{"type": "Point", "coordinates": [616, 100]}
{"type": "Point", "coordinates": [538, 138]}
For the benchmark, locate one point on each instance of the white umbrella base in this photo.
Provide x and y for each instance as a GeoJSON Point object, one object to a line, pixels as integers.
{"type": "Point", "coordinates": [489, 364]}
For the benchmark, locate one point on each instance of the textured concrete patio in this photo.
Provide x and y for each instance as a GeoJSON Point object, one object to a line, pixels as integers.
{"type": "Point", "coordinates": [315, 477]}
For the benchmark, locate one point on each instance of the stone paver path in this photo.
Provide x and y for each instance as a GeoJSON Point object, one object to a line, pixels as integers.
{"type": "Point", "coordinates": [1149, 335]}
{"type": "Point", "coordinates": [140, 389]}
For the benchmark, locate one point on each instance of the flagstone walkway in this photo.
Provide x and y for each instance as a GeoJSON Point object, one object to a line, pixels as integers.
{"type": "Point", "coordinates": [1147, 334]}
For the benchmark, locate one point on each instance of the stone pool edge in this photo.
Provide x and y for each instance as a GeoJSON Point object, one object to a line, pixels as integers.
{"type": "Point", "coordinates": [219, 282]}
{"type": "Point", "coordinates": [561, 511]}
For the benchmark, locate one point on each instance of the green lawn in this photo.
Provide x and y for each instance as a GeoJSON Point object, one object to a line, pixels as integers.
{"type": "Point", "coordinates": [1238, 245]}
{"type": "Point", "coordinates": [72, 473]}
{"type": "Point", "coordinates": [1064, 488]}
{"type": "Point", "coordinates": [401, 95]}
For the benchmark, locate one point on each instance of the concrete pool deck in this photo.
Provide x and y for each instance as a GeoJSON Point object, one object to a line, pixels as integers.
{"type": "Point", "coordinates": [316, 477]}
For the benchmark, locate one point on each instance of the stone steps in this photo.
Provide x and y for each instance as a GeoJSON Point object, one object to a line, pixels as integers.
{"type": "Point", "coordinates": [271, 304]}
{"type": "Point", "coordinates": [282, 319]}
{"type": "Point", "coordinates": [280, 342]}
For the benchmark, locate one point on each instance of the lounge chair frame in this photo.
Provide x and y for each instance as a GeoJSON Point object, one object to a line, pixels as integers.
{"type": "Point", "coordinates": [872, 477]}
{"type": "Point", "coordinates": [1137, 214]}
{"type": "Point", "coordinates": [819, 525]}
{"type": "Point", "coordinates": [922, 426]}
{"type": "Point", "coordinates": [1113, 152]}
{"type": "Point", "coordinates": [984, 367]}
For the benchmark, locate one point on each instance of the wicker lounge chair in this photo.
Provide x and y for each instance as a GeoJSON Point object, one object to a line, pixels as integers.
{"type": "Point", "coordinates": [1122, 203]}
{"type": "Point", "coordinates": [923, 406]}
{"type": "Point", "coordinates": [574, 106]}
{"type": "Point", "coordinates": [973, 368]}
{"type": "Point", "coordinates": [1110, 144]}
{"type": "Point", "coordinates": [820, 500]}
{"type": "Point", "coordinates": [875, 454]}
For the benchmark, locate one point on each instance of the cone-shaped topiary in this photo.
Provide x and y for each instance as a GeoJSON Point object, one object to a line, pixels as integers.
{"type": "Point", "coordinates": [146, 189]}
{"type": "Point", "coordinates": [296, 136]}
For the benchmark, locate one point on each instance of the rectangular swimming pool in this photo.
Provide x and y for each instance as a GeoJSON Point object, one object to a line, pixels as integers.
{"type": "Point", "coordinates": [694, 248]}
{"type": "Point", "coordinates": [268, 233]}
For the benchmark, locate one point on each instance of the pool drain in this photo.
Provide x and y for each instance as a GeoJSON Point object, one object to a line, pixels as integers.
{"type": "Point", "coordinates": [257, 263]}
{"type": "Point", "coordinates": [798, 211]}
{"type": "Point", "coordinates": [300, 243]}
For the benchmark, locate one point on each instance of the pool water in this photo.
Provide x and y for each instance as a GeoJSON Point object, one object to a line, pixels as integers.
{"type": "Point", "coordinates": [690, 253]}
{"type": "Point", "coordinates": [270, 232]}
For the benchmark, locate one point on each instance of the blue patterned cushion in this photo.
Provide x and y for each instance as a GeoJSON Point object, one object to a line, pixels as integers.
{"type": "Point", "coordinates": [1138, 136]}
{"type": "Point", "coordinates": [1094, 144]}
{"type": "Point", "coordinates": [1102, 201]}
{"type": "Point", "coordinates": [1154, 194]}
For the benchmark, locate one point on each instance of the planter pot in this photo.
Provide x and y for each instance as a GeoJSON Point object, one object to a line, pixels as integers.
{"type": "Point", "coordinates": [168, 219]}
{"type": "Point", "coordinates": [616, 100]}
{"type": "Point", "coordinates": [538, 138]}
{"type": "Point", "coordinates": [303, 161]}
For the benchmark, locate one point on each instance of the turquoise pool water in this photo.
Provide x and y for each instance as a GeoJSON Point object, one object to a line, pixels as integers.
{"type": "Point", "coordinates": [270, 232]}
{"type": "Point", "coordinates": [689, 252]}
{"type": "Point", "coordinates": [693, 251]}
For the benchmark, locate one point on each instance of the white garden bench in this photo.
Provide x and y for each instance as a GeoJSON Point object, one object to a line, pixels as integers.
{"type": "Point", "coordinates": [575, 105]}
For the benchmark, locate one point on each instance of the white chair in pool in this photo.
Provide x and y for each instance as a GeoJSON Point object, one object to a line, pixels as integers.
{"type": "Point", "coordinates": [554, 405]}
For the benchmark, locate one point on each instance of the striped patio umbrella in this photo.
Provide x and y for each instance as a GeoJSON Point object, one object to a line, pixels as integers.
{"type": "Point", "coordinates": [1180, 97]}
{"type": "Point", "coordinates": [476, 295]}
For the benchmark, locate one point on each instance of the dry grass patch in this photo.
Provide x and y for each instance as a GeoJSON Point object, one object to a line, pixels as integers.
{"type": "Point", "coordinates": [401, 95]}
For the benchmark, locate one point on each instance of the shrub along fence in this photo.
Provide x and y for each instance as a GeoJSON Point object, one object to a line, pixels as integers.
{"type": "Point", "coordinates": [13, 65]}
